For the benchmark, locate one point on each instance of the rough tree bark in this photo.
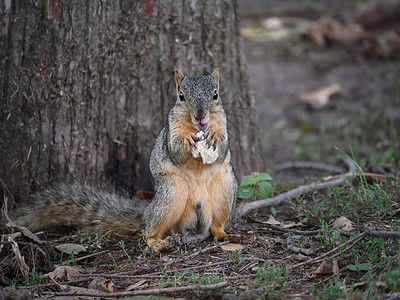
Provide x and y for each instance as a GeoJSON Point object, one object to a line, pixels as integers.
{"type": "Point", "coordinates": [86, 85]}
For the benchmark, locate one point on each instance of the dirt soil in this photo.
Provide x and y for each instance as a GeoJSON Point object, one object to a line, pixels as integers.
{"type": "Point", "coordinates": [364, 115]}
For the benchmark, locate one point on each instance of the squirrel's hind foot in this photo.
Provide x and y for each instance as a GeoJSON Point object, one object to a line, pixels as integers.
{"type": "Point", "coordinates": [174, 241]}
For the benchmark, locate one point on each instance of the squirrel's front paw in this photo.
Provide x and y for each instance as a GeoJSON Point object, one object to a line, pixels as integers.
{"type": "Point", "coordinates": [211, 138]}
{"type": "Point", "coordinates": [190, 141]}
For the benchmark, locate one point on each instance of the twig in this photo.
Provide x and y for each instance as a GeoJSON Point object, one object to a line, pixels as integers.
{"type": "Point", "coordinates": [156, 274]}
{"type": "Point", "coordinates": [301, 190]}
{"type": "Point", "coordinates": [305, 251]}
{"type": "Point", "coordinates": [197, 253]}
{"type": "Point", "coordinates": [383, 234]}
{"type": "Point", "coordinates": [144, 292]}
{"type": "Point", "coordinates": [308, 165]}
{"type": "Point", "coordinates": [349, 243]}
{"type": "Point", "coordinates": [303, 233]}
{"type": "Point", "coordinates": [20, 259]}
{"type": "Point", "coordinates": [248, 266]}
{"type": "Point", "coordinates": [293, 231]}
{"type": "Point", "coordinates": [83, 257]}
{"type": "Point", "coordinates": [243, 276]}
{"type": "Point", "coordinates": [25, 231]}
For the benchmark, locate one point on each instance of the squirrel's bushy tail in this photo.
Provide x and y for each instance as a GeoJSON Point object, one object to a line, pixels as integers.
{"type": "Point", "coordinates": [82, 206]}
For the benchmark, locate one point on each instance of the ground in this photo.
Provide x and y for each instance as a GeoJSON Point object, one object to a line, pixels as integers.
{"type": "Point", "coordinates": [362, 120]}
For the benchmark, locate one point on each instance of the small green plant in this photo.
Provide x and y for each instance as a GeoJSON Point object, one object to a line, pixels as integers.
{"type": "Point", "coordinates": [273, 278]}
{"type": "Point", "coordinates": [165, 273]}
{"type": "Point", "coordinates": [329, 237]}
{"type": "Point", "coordinates": [141, 243]}
{"type": "Point", "coordinates": [333, 289]}
{"type": "Point", "coordinates": [392, 279]}
{"type": "Point", "coordinates": [115, 265]}
{"type": "Point", "coordinates": [175, 278]}
{"type": "Point", "coordinates": [396, 224]}
{"type": "Point", "coordinates": [211, 279]}
{"type": "Point", "coordinates": [237, 255]}
{"type": "Point", "coordinates": [122, 244]}
{"type": "Point", "coordinates": [185, 277]}
{"type": "Point", "coordinates": [36, 278]}
{"type": "Point", "coordinates": [72, 258]}
{"type": "Point", "coordinates": [256, 187]}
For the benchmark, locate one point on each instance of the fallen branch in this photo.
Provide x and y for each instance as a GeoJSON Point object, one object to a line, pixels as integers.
{"type": "Point", "coordinates": [156, 274]}
{"type": "Point", "coordinates": [67, 262]}
{"type": "Point", "coordinates": [308, 165]}
{"type": "Point", "coordinates": [275, 201]}
{"type": "Point", "coordinates": [301, 190]}
{"type": "Point", "coordinates": [304, 233]}
{"type": "Point", "coordinates": [293, 231]}
{"type": "Point", "coordinates": [144, 292]}
{"type": "Point", "coordinates": [383, 234]}
{"type": "Point", "coordinates": [349, 243]}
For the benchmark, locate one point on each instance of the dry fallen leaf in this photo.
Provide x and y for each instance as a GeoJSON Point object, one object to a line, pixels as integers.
{"type": "Point", "coordinates": [344, 224]}
{"type": "Point", "coordinates": [231, 247]}
{"type": "Point", "coordinates": [63, 273]}
{"type": "Point", "coordinates": [272, 221]}
{"type": "Point", "coordinates": [320, 29]}
{"type": "Point", "coordinates": [290, 224]}
{"type": "Point", "coordinates": [348, 34]}
{"type": "Point", "coordinates": [69, 248]}
{"type": "Point", "coordinates": [329, 29]}
{"type": "Point", "coordinates": [107, 286]}
{"type": "Point", "coordinates": [320, 98]}
{"type": "Point", "coordinates": [283, 224]}
{"type": "Point", "coordinates": [324, 269]}
{"type": "Point", "coordinates": [136, 285]}
{"type": "Point", "coordinates": [95, 284]}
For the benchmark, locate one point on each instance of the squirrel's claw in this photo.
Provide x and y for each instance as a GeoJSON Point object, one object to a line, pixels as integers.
{"type": "Point", "coordinates": [211, 139]}
{"type": "Point", "coordinates": [191, 140]}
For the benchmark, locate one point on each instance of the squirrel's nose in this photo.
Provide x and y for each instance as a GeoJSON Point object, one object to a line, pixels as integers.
{"type": "Point", "coordinates": [199, 115]}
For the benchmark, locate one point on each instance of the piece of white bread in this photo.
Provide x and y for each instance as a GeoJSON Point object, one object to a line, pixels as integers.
{"type": "Point", "coordinates": [208, 154]}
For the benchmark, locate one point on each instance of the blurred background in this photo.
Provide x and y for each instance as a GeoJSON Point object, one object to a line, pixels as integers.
{"type": "Point", "coordinates": [325, 74]}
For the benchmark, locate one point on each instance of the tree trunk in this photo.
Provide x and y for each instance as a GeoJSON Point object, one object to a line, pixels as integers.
{"type": "Point", "coordinates": [86, 86]}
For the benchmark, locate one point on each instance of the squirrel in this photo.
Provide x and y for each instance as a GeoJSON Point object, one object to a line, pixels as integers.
{"type": "Point", "coordinates": [191, 195]}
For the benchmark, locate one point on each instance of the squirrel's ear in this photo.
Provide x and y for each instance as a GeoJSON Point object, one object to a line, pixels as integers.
{"type": "Point", "coordinates": [215, 76]}
{"type": "Point", "coordinates": [178, 79]}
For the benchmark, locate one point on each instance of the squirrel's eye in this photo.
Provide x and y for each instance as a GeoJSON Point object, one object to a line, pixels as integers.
{"type": "Point", "coordinates": [181, 97]}
{"type": "Point", "coordinates": [215, 97]}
